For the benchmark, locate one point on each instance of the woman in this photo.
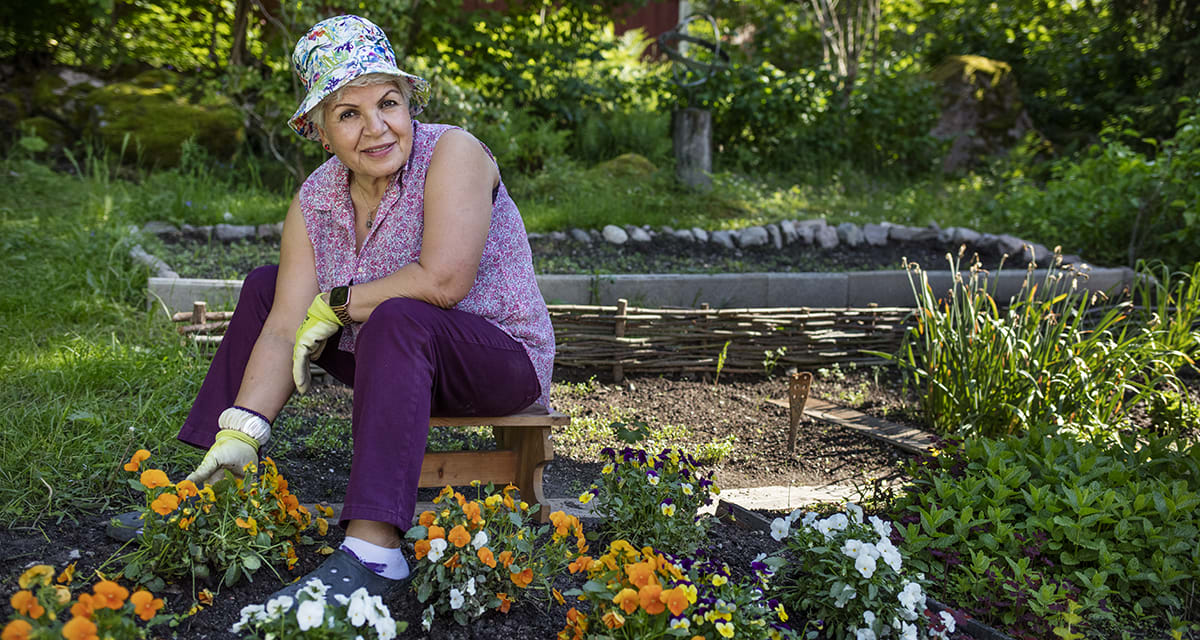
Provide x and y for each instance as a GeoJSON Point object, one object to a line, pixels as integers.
{"type": "Point", "coordinates": [406, 267]}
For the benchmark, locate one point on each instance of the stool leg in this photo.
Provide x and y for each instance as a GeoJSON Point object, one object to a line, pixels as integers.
{"type": "Point", "coordinates": [534, 449]}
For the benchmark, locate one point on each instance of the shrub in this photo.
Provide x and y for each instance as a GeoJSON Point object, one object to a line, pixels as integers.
{"type": "Point", "coordinates": [652, 499]}
{"type": "Point", "coordinates": [360, 616]}
{"type": "Point", "coordinates": [1052, 356]}
{"type": "Point", "coordinates": [847, 578]}
{"type": "Point", "coordinates": [1016, 528]}
{"type": "Point", "coordinates": [475, 555]}
{"type": "Point", "coordinates": [228, 529]}
{"type": "Point", "coordinates": [109, 611]}
{"type": "Point", "coordinates": [648, 594]}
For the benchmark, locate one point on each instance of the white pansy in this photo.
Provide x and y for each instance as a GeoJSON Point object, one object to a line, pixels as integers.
{"type": "Point", "coordinates": [470, 588]}
{"type": "Point", "coordinates": [869, 549]}
{"type": "Point", "coordinates": [437, 547]}
{"type": "Point", "coordinates": [456, 599]}
{"type": "Point", "coordinates": [358, 608]}
{"type": "Point", "coordinates": [779, 528]}
{"type": "Point", "coordinates": [480, 541]}
{"type": "Point", "coordinates": [427, 618]}
{"type": "Point", "coordinates": [889, 553]}
{"type": "Point", "coordinates": [947, 620]}
{"type": "Point", "coordinates": [315, 589]}
{"type": "Point", "coordinates": [865, 565]}
{"type": "Point", "coordinates": [250, 611]}
{"type": "Point", "coordinates": [864, 634]}
{"type": "Point", "coordinates": [310, 614]}
{"type": "Point", "coordinates": [908, 631]}
{"type": "Point", "coordinates": [341, 599]}
{"type": "Point", "coordinates": [855, 512]}
{"type": "Point", "coordinates": [852, 548]}
{"type": "Point", "coordinates": [911, 599]}
{"type": "Point", "coordinates": [869, 617]}
{"type": "Point", "coordinates": [809, 518]}
{"type": "Point", "coordinates": [385, 627]}
{"type": "Point", "coordinates": [277, 606]}
{"type": "Point", "coordinates": [882, 527]}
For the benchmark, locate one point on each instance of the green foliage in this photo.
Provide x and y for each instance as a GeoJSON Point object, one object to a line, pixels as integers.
{"type": "Point", "coordinates": [651, 499]}
{"type": "Point", "coordinates": [1049, 357]}
{"type": "Point", "coordinates": [1017, 527]}
{"type": "Point", "coordinates": [1120, 204]}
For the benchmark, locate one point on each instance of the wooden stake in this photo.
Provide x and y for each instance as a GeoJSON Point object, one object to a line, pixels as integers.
{"type": "Point", "coordinates": [797, 396]}
{"type": "Point", "coordinates": [619, 332]}
{"type": "Point", "coordinates": [199, 311]}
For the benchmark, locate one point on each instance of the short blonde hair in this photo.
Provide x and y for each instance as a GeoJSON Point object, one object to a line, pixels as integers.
{"type": "Point", "coordinates": [366, 80]}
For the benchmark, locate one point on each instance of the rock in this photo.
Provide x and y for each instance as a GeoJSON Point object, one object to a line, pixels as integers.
{"type": "Point", "coordinates": [164, 230]}
{"type": "Point", "coordinates": [721, 237]}
{"type": "Point", "coordinates": [755, 236]}
{"type": "Point", "coordinates": [850, 233]}
{"type": "Point", "coordinates": [981, 110]}
{"type": "Point", "coordinates": [775, 235]}
{"type": "Point", "coordinates": [157, 266]}
{"type": "Point", "coordinates": [902, 233]}
{"type": "Point", "coordinates": [825, 236]}
{"type": "Point", "coordinates": [1075, 261]}
{"type": "Point", "coordinates": [685, 235]}
{"type": "Point", "coordinates": [637, 234]}
{"type": "Point", "coordinates": [1011, 245]}
{"type": "Point", "coordinates": [963, 235]}
{"type": "Point", "coordinates": [158, 120]}
{"type": "Point", "coordinates": [581, 236]}
{"type": "Point", "coordinates": [614, 234]}
{"type": "Point", "coordinates": [596, 235]}
{"type": "Point", "coordinates": [805, 233]}
{"type": "Point", "coordinates": [788, 230]}
{"type": "Point", "coordinates": [667, 230]}
{"type": "Point", "coordinates": [231, 232]}
{"type": "Point", "coordinates": [700, 234]}
{"type": "Point", "coordinates": [1037, 253]}
{"type": "Point", "coordinates": [534, 236]}
{"type": "Point", "coordinates": [270, 231]}
{"type": "Point", "coordinates": [876, 235]}
{"type": "Point", "coordinates": [558, 236]}
{"type": "Point", "coordinates": [203, 233]}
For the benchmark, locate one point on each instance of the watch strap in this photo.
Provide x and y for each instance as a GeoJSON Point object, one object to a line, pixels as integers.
{"type": "Point", "coordinates": [342, 311]}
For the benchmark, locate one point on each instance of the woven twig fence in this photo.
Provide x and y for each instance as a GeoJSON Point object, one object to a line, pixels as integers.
{"type": "Point", "coordinates": [652, 340]}
{"type": "Point", "coordinates": [642, 340]}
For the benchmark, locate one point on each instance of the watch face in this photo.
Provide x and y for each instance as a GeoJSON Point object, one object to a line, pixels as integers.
{"type": "Point", "coordinates": [338, 296]}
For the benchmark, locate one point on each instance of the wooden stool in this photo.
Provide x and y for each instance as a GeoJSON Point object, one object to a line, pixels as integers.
{"type": "Point", "coordinates": [523, 449]}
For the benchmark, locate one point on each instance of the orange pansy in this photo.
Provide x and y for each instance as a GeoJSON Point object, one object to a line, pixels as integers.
{"type": "Point", "coordinates": [436, 532]}
{"type": "Point", "coordinates": [472, 511]}
{"type": "Point", "coordinates": [614, 620]}
{"type": "Point", "coordinates": [505, 603]}
{"type": "Point", "coordinates": [505, 558]}
{"type": "Point", "coordinates": [83, 607]}
{"type": "Point", "coordinates": [80, 629]}
{"type": "Point", "coordinates": [164, 504]}
{"type": "Point", "coordinates": [649, 597]}
{"type": "Point", "coordinates": [641, 574]}
{"type": "Point", "coordinates": [522, 579]}
{"type": "Point", "coordinates": [135, 462]}
{"type": "Point", "coordinates": [486, 557]}
{"type": "Point", "coordinates": [16, 630]}
{"type": "Point", "coordinates": [580, 564]}
{"type": "Point", "coordinates": [145, 604]}
{"type": "Point", "coordinates": [109, 595]}
{"type": "Point", "coordinates": [421, 548]}
{"type": "Point", "coordinates": [627, 599]}
{"type": "Point", "coordinates": [426, 519]}
{"type": "Point", "coordinates": [676, 600]}
{"type": "Point", "coordinates": [25, 603]}
{"type": "Point", "coordinates": [459, 536]}
{"type": "Point", "coordinates": [186, 489]}
{"type": "Point", "coordinates": [154, 478]}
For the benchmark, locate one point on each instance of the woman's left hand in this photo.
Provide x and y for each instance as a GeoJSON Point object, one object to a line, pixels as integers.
{"type": "Point", "coordinates": [320, 323]}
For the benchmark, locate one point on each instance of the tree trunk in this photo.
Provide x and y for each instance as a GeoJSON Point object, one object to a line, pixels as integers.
{"type": "Point", "coordinates": [241, 18]}
{"type": "Point", "coordinates": [692, 134]}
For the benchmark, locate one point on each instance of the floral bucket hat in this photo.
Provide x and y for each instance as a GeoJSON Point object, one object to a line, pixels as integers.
{"type": "Point", "coordinates": [338, 50]}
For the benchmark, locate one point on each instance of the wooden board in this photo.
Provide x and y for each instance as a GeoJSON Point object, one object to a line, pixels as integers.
{"type": "Point", "coordinates": [524, 419]}
{"type": "Point", "coordinates": [459, 468]}
{"type": "Point", "coordinates": [905, 438]}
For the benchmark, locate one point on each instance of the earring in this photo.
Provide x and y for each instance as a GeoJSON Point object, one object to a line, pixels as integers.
{"type": "Point", "coordinates": [327, 147]}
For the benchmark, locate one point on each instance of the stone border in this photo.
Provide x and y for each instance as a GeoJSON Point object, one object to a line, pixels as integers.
{"type": "Point", "coordinates": [889, 288]}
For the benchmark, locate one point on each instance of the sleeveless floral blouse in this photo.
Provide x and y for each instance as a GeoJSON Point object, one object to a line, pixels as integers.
{"type": "Point", "coordinates": [505, 292]}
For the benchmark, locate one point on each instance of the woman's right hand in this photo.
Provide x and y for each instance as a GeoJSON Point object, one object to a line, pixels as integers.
{"type": "Point", "coordinates": [231, 452]}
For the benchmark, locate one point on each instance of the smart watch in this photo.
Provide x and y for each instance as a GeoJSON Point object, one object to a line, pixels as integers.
{"type": "Point", "coordinates": [339, 301]}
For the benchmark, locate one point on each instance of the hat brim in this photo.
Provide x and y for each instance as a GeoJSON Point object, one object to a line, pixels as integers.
{"type": "Point", "coordinates": [304, 125]}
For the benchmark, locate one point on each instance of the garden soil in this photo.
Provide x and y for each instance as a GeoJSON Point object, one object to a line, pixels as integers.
{"type": "Point", "coordinates": [695, 411]}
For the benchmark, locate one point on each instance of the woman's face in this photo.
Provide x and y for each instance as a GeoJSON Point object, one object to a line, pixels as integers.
{"type": "Point", "coordinates": [369, 129]}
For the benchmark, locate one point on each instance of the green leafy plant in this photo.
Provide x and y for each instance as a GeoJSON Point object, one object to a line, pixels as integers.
{"type": "Point", "coordinates": [848, 579]}
{"type": "Point", "coordinates": [652, 499]}
{"type": "Point", "coordinates": [1014, 529]}
{"type": "Point", "coordinates": [310, 614]}
{"type": "Point", "coordinates": [771, 359]}
{"type": "Point", "coordinates": [226, 530]}
{"type": "Point", "coordinates": [721, 362]}
{"type": "Point", "coordinates": [481, 554]}
{"type": "Point", "coordinates": [648, 594]}
{"type": "Point", "coordinates": [109, 611]}
{"type": "Point", "coordinates": [1051, 356]}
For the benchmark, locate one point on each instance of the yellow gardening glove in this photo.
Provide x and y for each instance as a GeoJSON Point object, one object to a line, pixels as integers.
{"type": "Point", "coordinates": [319, 324]}
{"type": "Point", "coordinates": [230, 453]}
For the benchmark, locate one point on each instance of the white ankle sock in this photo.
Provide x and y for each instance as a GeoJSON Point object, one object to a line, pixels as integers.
{"type": "Point", "coordinates": [389, 563]}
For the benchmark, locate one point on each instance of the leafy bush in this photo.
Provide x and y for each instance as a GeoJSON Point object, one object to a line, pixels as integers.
{"type": "Point", "coordinates": [646, 595]}
{"type": "Point", "coordinates": [652, 499]}
{"type": "Point", "coordinates": [1016, 528]}
{"type": "Point", "coordinates": [360, 616]}
{"type": "Point", "coordinates": [229, 529]}
{"type": "Point", "coordinates": [1050, 357]}
{"type": "Point", "coordinates": [1119, 203]}
{"type": "Point", "coordinates": [475, 555]}
{"type": "Point", "coordinates": [847, 578]}
{"type": "Point", "coordinates": [109, 611]}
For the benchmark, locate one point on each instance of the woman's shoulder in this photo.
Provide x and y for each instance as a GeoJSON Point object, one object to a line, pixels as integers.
{"type": "Point", "coordinates": [323, 180]}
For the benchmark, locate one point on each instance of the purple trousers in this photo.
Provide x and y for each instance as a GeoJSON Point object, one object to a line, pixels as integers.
{"type": "Point", "coordinates": [412, 360]}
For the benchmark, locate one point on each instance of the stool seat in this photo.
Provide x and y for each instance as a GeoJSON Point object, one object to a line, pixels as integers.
{"type": "Point", "coordinates": [523, 449]}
